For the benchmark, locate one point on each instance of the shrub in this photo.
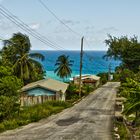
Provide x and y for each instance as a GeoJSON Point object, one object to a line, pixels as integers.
{"type": "Point", "coordinates": [72, 92]}
{"type": "Point", "coordinates": [123, 75]}
{"type": "Point", "coordinates": [10, 124]}
{"type": "Point", "coordinates": [86, 89]}
{"type": "Point", "coordinates": [2, 128]}
{"type": "Point", "coordinates": [8, 107]}
{"type": "Point", "coordinates": [103, 77]}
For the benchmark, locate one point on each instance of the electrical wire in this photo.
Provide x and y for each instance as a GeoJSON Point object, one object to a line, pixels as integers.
{"type": "Point", "coordinates": [27, 29]}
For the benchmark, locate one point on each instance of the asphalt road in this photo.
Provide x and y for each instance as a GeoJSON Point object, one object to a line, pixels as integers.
{"type": "Point", "coordinates": [90, 119]}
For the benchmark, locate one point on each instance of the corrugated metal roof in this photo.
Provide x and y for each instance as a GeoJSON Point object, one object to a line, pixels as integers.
{"type": "Point", "coordinates": [86, 76]}
{"type": "Point", "coordinates": [49, 84]}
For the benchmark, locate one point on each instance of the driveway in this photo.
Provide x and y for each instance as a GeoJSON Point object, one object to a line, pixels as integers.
{"type": "Point", "coordinates": [90, 119]}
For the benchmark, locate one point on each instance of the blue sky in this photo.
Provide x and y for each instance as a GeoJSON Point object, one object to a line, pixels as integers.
{"type": "Point", "coordinates": [93, 19]}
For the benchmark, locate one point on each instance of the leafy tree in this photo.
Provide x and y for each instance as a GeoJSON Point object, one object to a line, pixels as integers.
{"type": "Point", "coordinates": [9, 95]}
{"type": "Point", "coordinates": [9, 86]}
{"type": "Point", "coordinates": [16, 53]}
{"type": "Point", "coordinates": [123, 75]}
{"type": "Point", "coordinates": [63, 66]}
{"type": "Point", "coordinates": [5, 71]}
{"type": "Point", "coordinates": [125, 49]}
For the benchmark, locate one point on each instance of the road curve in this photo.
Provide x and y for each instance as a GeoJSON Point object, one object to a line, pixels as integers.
{"type": "Point", "coordinates": [90, 119]}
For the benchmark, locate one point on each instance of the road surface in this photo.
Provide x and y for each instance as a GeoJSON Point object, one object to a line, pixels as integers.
{"type": "Point", "coordinates": [90, 119]}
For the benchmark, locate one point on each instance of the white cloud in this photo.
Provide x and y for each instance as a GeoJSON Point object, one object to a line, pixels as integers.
{"type": "Point", "coordinates": [34, 26]}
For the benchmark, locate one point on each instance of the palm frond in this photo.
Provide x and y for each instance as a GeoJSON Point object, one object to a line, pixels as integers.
{"type": "Point", "coordinates": [36, 63]}
{"type": "Point", "coordinates": [131, 107]}
{"type": "Point", "coordinates": [37, 55]}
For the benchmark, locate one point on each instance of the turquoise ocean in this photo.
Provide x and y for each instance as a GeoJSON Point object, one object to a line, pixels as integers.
{"type": "Point", "coordinates": [93, 62]}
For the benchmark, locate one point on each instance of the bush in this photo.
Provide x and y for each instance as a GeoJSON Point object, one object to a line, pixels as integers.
{"type": "Point", "coordinates": [123, 75]}
{"type": "Point", "coordinates": [86, 89]}
{"type": "Point", "coordinates": [103, 77]}
{"type": "Point", "coordinates": [72, 92]}
{"type": "Point", "coordinates": [2, 128]}
{"type": "Point", "coordinates": [9, 95]}
{"type": "Point", "coordinates": [8, 107]}
{"type": "Point", "coordinates": [10, 124]}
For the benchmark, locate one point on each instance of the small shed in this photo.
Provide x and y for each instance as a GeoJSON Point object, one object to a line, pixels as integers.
{"type": "Point", "coordinates": [42, 90]}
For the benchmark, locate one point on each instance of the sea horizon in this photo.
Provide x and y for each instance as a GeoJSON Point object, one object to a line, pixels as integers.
{"type": "Point", "coordinates": [93, 62]}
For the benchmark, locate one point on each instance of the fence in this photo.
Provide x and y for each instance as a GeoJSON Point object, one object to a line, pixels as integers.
{"type": "Point", "coordinates": [32, 100]}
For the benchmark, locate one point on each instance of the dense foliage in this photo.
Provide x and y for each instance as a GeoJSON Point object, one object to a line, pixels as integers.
{"type": "Point", "coordinates": [16, 53]}
{"type": "Point", "coordinates": [72, 92]}
{"type": "Point", "coordinates": [9, 96]}
{"type": "Point", "coordinates": [16, 69]}
{"type": "Point", "coordinates": [123, 75]}
{"type": "Point", "coordinates": [131, 90]}
{"type": "Point", "coordinates": [128, 73]}
{"type": "Point", "coordinates": [125, 49]}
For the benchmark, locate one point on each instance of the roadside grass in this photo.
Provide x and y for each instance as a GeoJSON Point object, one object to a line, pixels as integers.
{"type": "Point", "coordinates": [137, 133]}
{"type": "Point", "coordinates": [29, 114]}
{"type": "Point", "coordinates": [122, 130]}
{"type": "Point", "coordinates": [34, 113]}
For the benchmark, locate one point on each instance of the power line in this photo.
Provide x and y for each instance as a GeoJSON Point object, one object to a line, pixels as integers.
{"type": "Point", "coordinates": [50, 11]}
{"type": "Point", "coordinates": [26, 28]}
{"type": "Point", "coordinates": [57, 18]}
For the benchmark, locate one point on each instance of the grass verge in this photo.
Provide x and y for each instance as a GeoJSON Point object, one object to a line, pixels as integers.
{"type": "Point", "coordinates": [34, 113]}
{"type": "Point", "coordinates": [122, 130]}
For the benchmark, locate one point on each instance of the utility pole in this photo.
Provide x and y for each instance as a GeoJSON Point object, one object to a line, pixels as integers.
{"type": "Point", "coordinates": [81, 64]}
{"type": "Point", "coordinates": [109, 72]}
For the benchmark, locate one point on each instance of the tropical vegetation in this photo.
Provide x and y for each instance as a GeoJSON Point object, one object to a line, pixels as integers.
{"type": "Point", "coordinates": [16, 53]}
{"type": "Point", "coordinates": [18, 66]}
{"type": "Point", "coordinates": [128, 73]}
{"type": "Point", "coordinates": [9, 95]}
{"type": "Point", "coordinates": [72, 93]}
{"type": "Point", "coordinates": [125, 49]}
{"type": "Point", "coordinates": [63, 66]}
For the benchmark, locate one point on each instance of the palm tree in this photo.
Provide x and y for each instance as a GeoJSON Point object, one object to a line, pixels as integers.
{"type": "Point", "coordinates": [63, 66]}
{"type": "Point", "coordinates": [17, 51]}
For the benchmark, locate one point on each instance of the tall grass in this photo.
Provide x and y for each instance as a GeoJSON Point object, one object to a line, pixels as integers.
{"type": "Point", "coordinates": [33, 113]}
